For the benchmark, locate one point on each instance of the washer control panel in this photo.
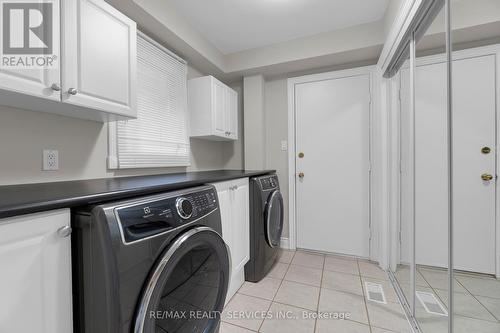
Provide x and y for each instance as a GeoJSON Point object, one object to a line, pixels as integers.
{"type": "Point", "coordinates": [149, 218]}
{"type": "Point", "coordinates": [184, 207]}
{"type": "Point", "coordinates": [269, 182]}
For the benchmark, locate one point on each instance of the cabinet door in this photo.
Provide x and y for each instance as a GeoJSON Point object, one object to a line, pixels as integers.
{"type": "Point", "coordinates": [36, 82]}
{"type": "Point", "coordinates": [99, 47]}
{"type": "Point", "coordinates": [225, 204]}
{"type": "Point", "coordinates": [232, 113]}
{"type": "Point", "coordinates": [35, 283]}
{"type": "Point", "coordinates": [240, 224]}
{"type": "Point", "coordinates": [219, 108]}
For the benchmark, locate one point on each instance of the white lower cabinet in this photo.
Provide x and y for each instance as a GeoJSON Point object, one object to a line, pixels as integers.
{"type": "Point", "coordinates": [35, 279]}
{"type": "Point", "coordinates": [234, 204]}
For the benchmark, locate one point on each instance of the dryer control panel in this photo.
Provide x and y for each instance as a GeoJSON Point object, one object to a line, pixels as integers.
{"type": "Point", "coordinates": [163, 214]}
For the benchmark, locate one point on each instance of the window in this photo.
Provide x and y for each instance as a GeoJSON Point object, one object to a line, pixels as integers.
{"type": "Point", "coordinates": [159, 135]}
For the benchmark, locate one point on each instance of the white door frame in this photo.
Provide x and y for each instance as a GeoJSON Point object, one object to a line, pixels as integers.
{"type": "Point", "coordinates": [396, 134]}
{"type": "Point", "coordinates": [292, 82]}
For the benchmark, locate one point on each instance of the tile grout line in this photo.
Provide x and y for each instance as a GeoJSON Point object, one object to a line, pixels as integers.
{"type": "Point", "coordinates": [475, 319]}
{"type": "Point", "coordinates": [245, 328]}
{"type": "Point", "coordinates": [271, 301]}
{"type": "Point", "coordinates": [468, 292]}
{"type": "Point", "coordinates": [271, 304]}
{"type": "Point", "coordinates": [319, 294]}
{"type": "Point", "coordinates": [474, 296]}
{"type": "Point", "coordinates": [434, 290]}
{"type": "Point", "coordinates": [484, 306]}
{"type": "Point", "coordinates": [307, 285]}
{"type": "Point", "coordinates": [364, 299]}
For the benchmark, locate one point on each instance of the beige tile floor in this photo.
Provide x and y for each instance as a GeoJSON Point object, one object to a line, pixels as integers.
{"type": "Point", "coordinates": [303, 285]}
{"type": "Point", "coordinates": [477, 300]}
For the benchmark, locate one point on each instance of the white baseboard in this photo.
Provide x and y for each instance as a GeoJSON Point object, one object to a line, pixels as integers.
{"type": "Point", "coordinates": [285, 243]}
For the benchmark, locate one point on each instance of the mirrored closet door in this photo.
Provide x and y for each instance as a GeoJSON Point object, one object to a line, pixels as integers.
{"type": "Point", "coordinates": [449, 95]}
{"type": "Point", "coordinates": [424, 180]}
{"type": "Point", "coordinates": [475, 228]}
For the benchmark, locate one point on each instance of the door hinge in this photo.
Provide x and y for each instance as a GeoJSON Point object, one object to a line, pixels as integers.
{"type": "Point", "coordinates": [370, 98]}
{"type": "Point", "coordinates": [400, 166]}
{"type": "Point", "coordinates": [370, 166]}
{"type": "Point", "coordinates": [399, 95]}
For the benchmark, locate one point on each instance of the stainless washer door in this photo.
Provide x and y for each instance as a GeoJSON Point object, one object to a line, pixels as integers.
{"type": "Point", "coordinates": [187, 288]}
{"type": "Point", "coordinates": [274, 219]}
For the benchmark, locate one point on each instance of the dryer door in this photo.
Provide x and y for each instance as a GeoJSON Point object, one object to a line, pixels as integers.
{"type": "Point", "coordinates": [274, 219]}
{"type": "Point", "coordinates": [187, 288]}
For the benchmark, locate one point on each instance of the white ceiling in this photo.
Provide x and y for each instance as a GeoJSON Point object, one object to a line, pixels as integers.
{"type": "Point", "coordinates": [237, 25]}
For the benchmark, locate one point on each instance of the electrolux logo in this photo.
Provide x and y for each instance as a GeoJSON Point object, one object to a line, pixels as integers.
{"type": "Point", "coordinates": [28, 34]}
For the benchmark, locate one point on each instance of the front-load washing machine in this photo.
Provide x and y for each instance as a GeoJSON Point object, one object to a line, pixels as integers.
{"type": "Point", "coordinates": [151, 264]}
{"type": "Point", "coordinates": [266, 225]}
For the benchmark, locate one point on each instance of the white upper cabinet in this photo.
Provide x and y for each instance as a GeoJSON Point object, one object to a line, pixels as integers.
{"type": "Point", "coordinates": [213, 109]}
{"type": "Point", "coordinates": [219, 108]}
{"type": "Point", "coordinates": [99, 48]}
{"type": "Point", "coordinates": [35, 284]}
{"type": "Point", "coordinates": [232, 99]}
{"type": "Point", "coordinates": [95, 76]}
{"type": "Point", "coordinates": [35, 82]}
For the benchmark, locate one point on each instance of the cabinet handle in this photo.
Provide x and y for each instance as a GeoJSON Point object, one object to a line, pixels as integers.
{"type": "Point", "coordinates": [65, 231]}
{"type": "Point", "coordinates": [55, 87]}
{"type": "Point", "coordinates": [72, 91]}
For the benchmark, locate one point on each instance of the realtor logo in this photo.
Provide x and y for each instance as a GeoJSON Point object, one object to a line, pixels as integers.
{"type": "Point", "coordinates": [28, 34]}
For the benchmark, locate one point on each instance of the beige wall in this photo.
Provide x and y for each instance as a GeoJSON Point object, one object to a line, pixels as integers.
{"type": "Point", "coordinates": [254, 122]}
{"type": "Point", "coordinates": [276, 120]}
{"type": "Point", "coordinates": [83, 148]}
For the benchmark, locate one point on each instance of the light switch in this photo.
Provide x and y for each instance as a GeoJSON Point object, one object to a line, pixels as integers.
{"type": "Point", "coordinates": [284, 145]}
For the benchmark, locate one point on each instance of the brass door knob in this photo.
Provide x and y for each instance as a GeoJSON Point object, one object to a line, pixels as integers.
{"type": "Point", "coordinates": [301, 155]}
{"type": "Point", "coordinates": [486, 150]}
{"type": "Point", "coordinates": [301, 175]}
{"type": "Point", "coordinates": [486, 177]}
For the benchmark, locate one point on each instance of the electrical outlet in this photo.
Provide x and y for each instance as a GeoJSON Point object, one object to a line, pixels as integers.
{"type": "Point", "coordinates": [284, 145]}
{"type": "Point", "coordinates": [50, 160]}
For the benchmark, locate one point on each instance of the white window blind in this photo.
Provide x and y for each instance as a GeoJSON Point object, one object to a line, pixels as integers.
{"type": "Point", "coordinates": [159, 135]}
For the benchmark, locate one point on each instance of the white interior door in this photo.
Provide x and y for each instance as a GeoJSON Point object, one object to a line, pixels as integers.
{"type": "Point", "coordinates": [332, 131]}
{"type": "Point", "coordinates": [474, 199]}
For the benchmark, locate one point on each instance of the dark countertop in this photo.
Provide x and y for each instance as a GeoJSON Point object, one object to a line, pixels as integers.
{"type": "Point", "coordinates": [32, 198]}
